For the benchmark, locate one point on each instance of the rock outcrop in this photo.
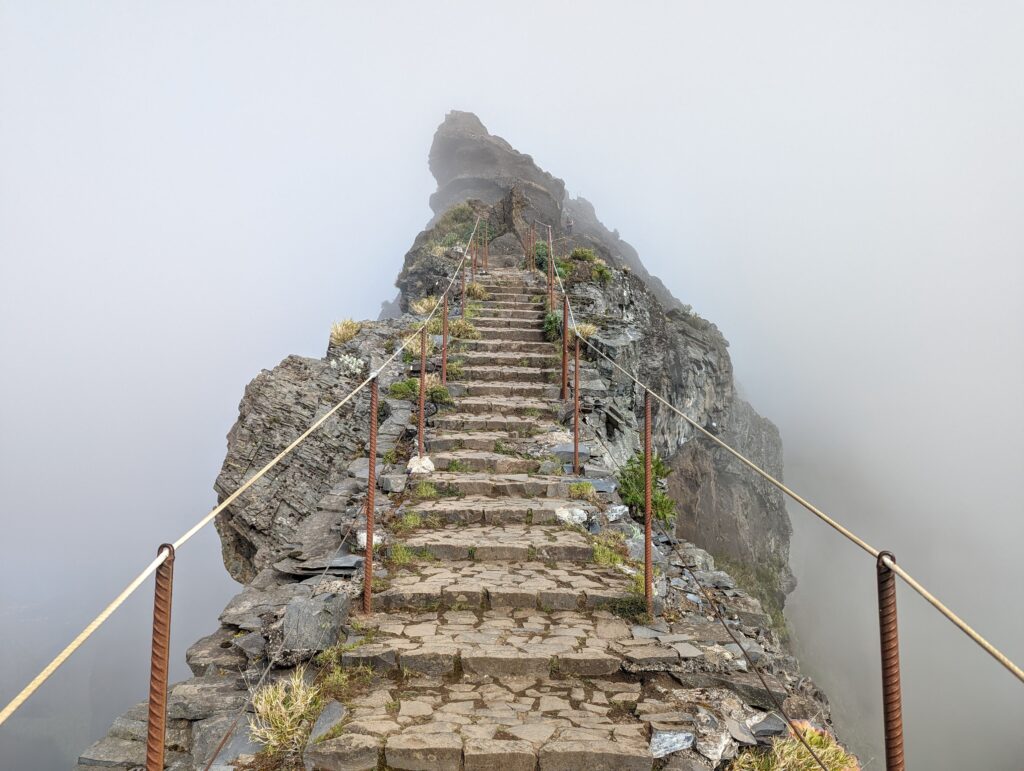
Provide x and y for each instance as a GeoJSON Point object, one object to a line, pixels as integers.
{"type": "Point", "coordinates": [508, 630]}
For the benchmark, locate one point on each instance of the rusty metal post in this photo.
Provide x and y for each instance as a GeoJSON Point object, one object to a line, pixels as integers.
{"type": "Point", "coordinates": [565, 348]}
{"type": "Point", "coordinates": [576, 411]}
{"type": "Point", "coordinates": [648, 566]}
{"type": "Point", "coordinates": [462, 297]}
{"type": "Point", "coordinates": [156, 724]}
{"type": "Point", "coordinates": [444, 341]}
{"type": "Point", "coordinates": [890, 638]}
{"type": "Point", "coordinates": [487, 246]}
{"type": "Point", "coordinates": [551, 273]}
{"type": "Point", "coordinates": [371, 489]}
{"type": "Point", "coordinates": [423, 387]}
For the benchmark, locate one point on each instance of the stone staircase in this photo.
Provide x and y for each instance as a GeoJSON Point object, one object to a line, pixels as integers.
{"type": "Point", "coordinates": [496, 623]}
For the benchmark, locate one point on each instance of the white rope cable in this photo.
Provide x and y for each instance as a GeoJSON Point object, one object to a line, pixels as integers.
{"type": "Point", "coordinates": [962, 625]}
{"type": "Point", "coordinates": [116, 603]}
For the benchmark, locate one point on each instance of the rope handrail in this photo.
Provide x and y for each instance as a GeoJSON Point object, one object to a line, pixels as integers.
{"type": "Point", "coordinates": [962, 625]}
{"type": "Point", "coordinates": [136, 582]}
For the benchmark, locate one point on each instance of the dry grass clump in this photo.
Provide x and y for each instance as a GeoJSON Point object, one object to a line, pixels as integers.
{"type": "Point", "coordinates": [343, 331]}
{"type": "Point", "coordinates": [423, 305]}
{"type": "Point", "coordinates": [585, 330]}
{"type": "Point", "coordinates": [475, 291]}
{"type": "Point", "coordinates": [788, 754]}
{"type": "Point", "coordinates": [610, 548]}
{"type": "Point", "coordinates": [284, 712]}
{"type": "Point", "coordinates": [463, 329]}
{"type": "Point", "coordinates": [583, 491]}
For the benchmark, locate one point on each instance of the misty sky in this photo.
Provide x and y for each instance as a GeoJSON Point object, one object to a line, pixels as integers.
{"type": "Point", "coordinates": [190, 191]}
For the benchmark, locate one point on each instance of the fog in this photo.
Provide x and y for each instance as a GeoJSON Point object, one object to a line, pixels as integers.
{"type": "Point", "coordinates": [191, 191]}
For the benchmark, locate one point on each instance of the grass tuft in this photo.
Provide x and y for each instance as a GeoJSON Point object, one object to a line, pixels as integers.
{"type": "Point", "coordinates": [475, 291]}
{"type": "Point", "coordinates": [788, 754]}
{"type": "Point", "coordinates": [423, 305]}
{"type": "Point", "coordinates": [583, 491]}
{"type": "Point", "coordinates": [283, 715]}
{"type": "Point", "coordinates": [343, 331]}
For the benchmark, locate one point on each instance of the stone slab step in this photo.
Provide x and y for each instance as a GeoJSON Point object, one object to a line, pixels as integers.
{"type": "Point", "coordinates": [497, 485]}
{"type": "Point", "coordinates": [498, 511]}
{"type": "Point", "coordinates": [517, 374]}
{"type": "Point", "coordinates": [502, 388]}
{"type": "Point", "coordinates": [505, 405]}
{"type": "Point", "coordinates": [531, 335]}
{"type": "Point", "coordinates": [504, 321]}
{"type": "Point", "coordinates": [509, 424]}
{"type": "Point", "coordinates": [502, 543]}
{"type": "Point", "coordinates": [508, 345]}
{"type": "Point", "coordinates": [544, 359]}
{"type": "Point", "coordinates": [515, 305]}
{"type": "Point", "coordinates": [483, 441]}
{"type": "Point", "coordinates": [526, 315]}
{"type": "Point", "coordinates": [478, 461]}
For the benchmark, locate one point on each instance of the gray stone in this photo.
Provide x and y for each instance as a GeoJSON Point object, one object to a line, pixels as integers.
{"type": "Point", "coordinates": [393, 483]}
{"type": "Point", "coordinates": [332, 714]}
{"type": "Point", "coordinates": [508, 755]}
{"type": "Point", "coordinates": [215, 653]}
{"type": "Point", "coordinates": [424, 752]}
{"type": "Point", "coordinates": [312, 624]}
{"type": "Point", "coordinates": [768, 726]}
{"type": "Point", "coordinates": [208, 734]}
{"type": "Point", "coordinates": [595, 755]}
{"type": "Point", "coordinates": [203, 697]}
{"type": "Point", "coordinates": [740, 732]}
{"type": "Point", "coordinates": [349, 752]}
{"type": "Point", "coordinates": [666, 742]}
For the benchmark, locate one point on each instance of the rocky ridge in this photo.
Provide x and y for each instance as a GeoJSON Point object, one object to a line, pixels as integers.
{"type": "Point", "coordinates": [504, 633]}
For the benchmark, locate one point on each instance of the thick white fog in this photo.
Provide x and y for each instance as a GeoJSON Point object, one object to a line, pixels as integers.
{"type": "Point", "coordinates": [191, 191]}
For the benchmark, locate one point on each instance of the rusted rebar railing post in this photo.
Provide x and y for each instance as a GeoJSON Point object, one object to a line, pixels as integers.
{"type": "Point", "coordinates": [462, 296]}
{"type": "Point", "coordinates": [890, 639]}
{"type": "Point", "coordinates": [444, 340]}
{"type": "Point", "coordinates": [648, 566]}
{"type": "Point", "coordinates": [423, 388]}
{"type": "Point", "coordinates": [487, 247]}
{"type": "Point", "coordinates": [565, 348]}
{"type": "Point", "coordinates": [156, 724]}
{"type": "Point", "coordinates": [551, 273]}
{"type": "Point", "coordinates": [371, 489]}
{"type": "Point", "coordinates": [576, 410]}
{"type": "Point", "coordinates": [472, 260]}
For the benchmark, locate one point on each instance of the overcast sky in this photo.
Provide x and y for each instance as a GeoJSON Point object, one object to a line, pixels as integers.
{"type": "Point", "coordinates": [189, 191]}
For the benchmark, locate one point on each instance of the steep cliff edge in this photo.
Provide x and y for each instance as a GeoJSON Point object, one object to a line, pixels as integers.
{"type": "Point", "coordinates": [509, 631]}
{"type": "Point", "coordinates": [646, 330]}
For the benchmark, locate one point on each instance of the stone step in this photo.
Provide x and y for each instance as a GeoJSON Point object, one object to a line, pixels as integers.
{"type": "Point", "coordinates": [508, 346]}
{"type": "Point", "coordinates": [484, 441]}
{"type": "Point", "coordinates": [517, 374]}
{"type": "Point", "coordinates": [511, 359]}
{"type": "Point", "coordinates": [430, 586]}
{"type": "Point", "coordinates": [537, 322]}
{"type": "Point", "coordinates": [502, 543]}
{"type": "Point", "coordinates": [482, 461]}
{"type": "Point", "coordinates": [512, 425]}
{"type": "Point", "coordinates": [511, 295]}
{"type": "Point", "coordinates": [526, 315]}
{"type": "Point", "coordinates": [497, 511]}
{"type": "Point", "coordinates": [502, 388]}
{"type": "Point", "coordinates": [530, 335]}
{"type": "Point", "coordinates": [539, 307]}
{"type": "Point", "coordinates": [497, 485]}
{"type": "Point", "coordinates": [505, 405]}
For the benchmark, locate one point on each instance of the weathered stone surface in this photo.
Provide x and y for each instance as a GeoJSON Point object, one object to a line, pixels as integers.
{"type": "Point", "coordinates": [588, 664]}
{"type": "Point", "coordinates": [489, 754]}
{"type": "Point", "coordinates": [424, 752]}
{"type": "Point", "coordinates": [311, 624]}
{"type": "Point", "coordinates": [595, 756]}
{"type": "Point", "coordinates": [349, 752]}
{"type": "Point", "coordinates": [203, 697]}
{"type": "Point", "coordinates": [215, 653]}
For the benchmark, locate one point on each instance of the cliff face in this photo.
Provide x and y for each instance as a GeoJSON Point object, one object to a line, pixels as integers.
{"type": "Point", "coordinates": [644, 329]}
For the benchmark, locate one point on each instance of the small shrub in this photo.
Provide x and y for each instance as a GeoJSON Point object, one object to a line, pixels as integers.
{"type": "Point", "coordinates": [464, 329]}
{"type": "Point", "coordinates": [631, 607]}
{"type": "Point", "coordinates": [631, 487]}
{"type": "Point", "coordinates": [540, 253]}
{"type": "Point", "coordinates": [587, 255]}
{"type": "Point", "coordinates": [408, 389]}
{"type": "Point", "coordinates": [349, 365]}
{"type": "Point", "coordinates": [553, 327]}
{"type": "Point", "coordinates": [789, 754]}
{"type": "Point", "coordinates": [475, 291]}
{"type": "Point", "coordinates": [456, 369]}
{"type": "Point", "coordinates": [583, 491]}
{"type": "Point", "coordinates": [400, 554]}
{"type": "Point", "coordinates": [563, 267]}
{"type": "Point", "coordinates": [284, 712]}
{"type": "Point", "coordinates": [413, 348]}
{"type": "Point", "coordinates": [473, 311]}
{"type": "Point", "coordinates": [343, 331]}
{"type": "Point", "coordinates": [409, 521]}
{"type": "Point", "coordinates": [390, 457]}
{"type": "Point", "coordinates": [423, 305]}
{"type": "Point", "coordinates": [601, 273]}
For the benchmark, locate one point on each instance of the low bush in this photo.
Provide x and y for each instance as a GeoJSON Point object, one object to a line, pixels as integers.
{"type": "Point", "coordinates": [476, 291]}
{"type": "Point", "coordinates": [463, 329]}
{"type": "Point", "coordinates": [587, 255]}
{"type": "Point", "coordinates": [423, 305]}
{"type": "Point", "coordinates": [343, 331]}
{"type": "Point", "coordinates": [553, 327]}
{"type": "Point", "coordinates": [456, 369]}
{"type": "Point", "coordinates": [585, 330]}
{"type": "Point", "coordinates": [610, 548]}
{"type": "Point", "coordinates": [631, 487]}
{"type": "Point", "coordinates": [601, 273]}
{"type": "Point", "coordinates": [425, 491]}
{"type": "Point", "coordinates": [583, 491]}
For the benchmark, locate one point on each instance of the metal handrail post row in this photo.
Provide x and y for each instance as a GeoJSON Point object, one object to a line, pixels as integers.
{"type": "Point", "coordinates": [462, 295]}
{"type": "Point", "coordinates": [648, 566]}
{"type": "Point", "coordinates": [551, 273]}
{"type": "Point", "coordinates": [423, 388]}
{"type": "Point", "coordinates": [156, 723]}
{"type": "Point", "coordinates": [371, 489]}
{"type": "Point", "coordinates": [892, 700]}
{"type": "Point", "coordinates": [576, 410]}
{"type": "Point", "coordinates": [565, 348]}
